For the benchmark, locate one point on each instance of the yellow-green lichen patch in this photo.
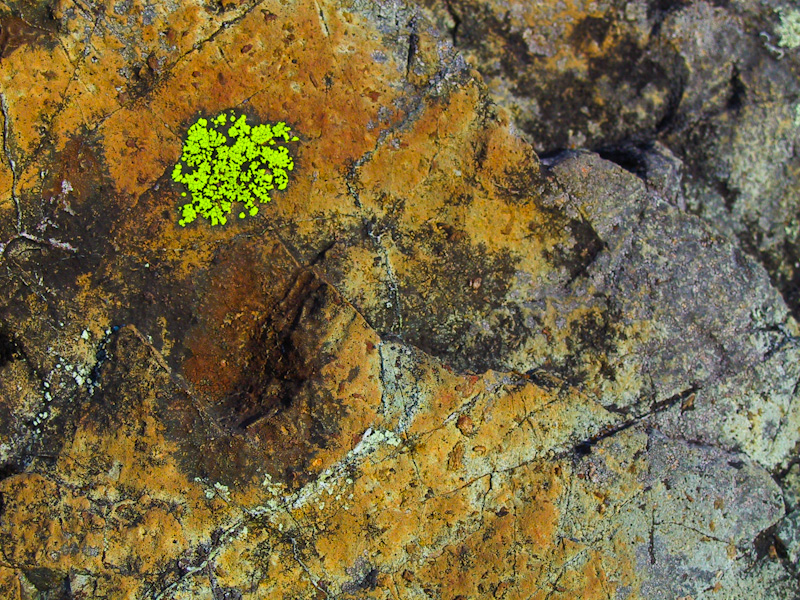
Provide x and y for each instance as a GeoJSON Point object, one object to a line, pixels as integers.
{"type": "Point", "coordinates": [225, 160]}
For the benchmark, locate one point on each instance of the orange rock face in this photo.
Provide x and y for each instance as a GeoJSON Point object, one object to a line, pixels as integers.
{"type": "Point", "coordinates": [387, 385]}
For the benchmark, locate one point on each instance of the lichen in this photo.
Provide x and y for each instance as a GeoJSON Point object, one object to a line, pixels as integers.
{"type": "Point", "coordinates": [225, 160]}
{"type": "Point", "coordinates": [789, 29]}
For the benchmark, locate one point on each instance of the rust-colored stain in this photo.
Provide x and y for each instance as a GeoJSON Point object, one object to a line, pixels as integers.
{"type": "Point", "coordinates": [16, 33]}
{"type": "Point", "coordinates": [306, 404]}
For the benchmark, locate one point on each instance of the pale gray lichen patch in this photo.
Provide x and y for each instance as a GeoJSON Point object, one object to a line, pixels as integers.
{"type": "Point", "coordinates": [789, 29]}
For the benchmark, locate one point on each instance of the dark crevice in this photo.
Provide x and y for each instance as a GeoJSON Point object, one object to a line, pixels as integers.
{"type": "Point", "coordinates": [657, 407]}
{"type": "Point", "coordinates": [584, 447]}
{"type": "Point", "coordinates": [252, 420]}
{"type": "Point", "coordinates": [782, 471]}
{"type": "Point", "coordinates": [780, 549]}
{"type": "Point", "coordinates": [659, 10]}
{"type": "Point", "coordinates": [456, 22]}
{"type": "Point", "coordinates": [320, 257]}
{"type": "Point", "coordinates": [9, 350]}
{"type": "Point", "coordinates": [101, 355]}
{"type": "Point", "coordinates": [729, 194]}
{"type": "Point", "coordinates": [630, 156]}
{"type": "Point", "coordinates": [413, 43]}
{"type": "Point", "coordinates": [9, 469]}
{"type": "Point", "coordinates": [671, 118]}
{"type": "Point", "coordinates": [738, 93]}
{"type": "Point", "coordinates": [766, 540]}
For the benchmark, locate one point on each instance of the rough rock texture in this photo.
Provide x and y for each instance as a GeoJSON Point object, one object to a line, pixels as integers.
{"type": "Point", "coordinates": [715, 82]}
{"type": "Point", "coordinates": [437, 365]}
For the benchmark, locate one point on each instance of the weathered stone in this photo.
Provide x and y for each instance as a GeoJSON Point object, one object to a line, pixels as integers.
{"type": "Point", "coordinates": [712, 81]}
{"type": "Point", "coordinates": [435, 366]}
{"type": "Point", "coordinates": [789, 535]}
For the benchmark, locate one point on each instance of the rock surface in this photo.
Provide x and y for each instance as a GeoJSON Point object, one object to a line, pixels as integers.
{"type": "Point", "coordinates": [461, 356]}
{"type": "Point", "coordinates": [716, 82]}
